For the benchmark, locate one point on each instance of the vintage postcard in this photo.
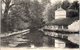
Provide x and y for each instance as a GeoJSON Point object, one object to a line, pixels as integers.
{"type": "Point", "coordinates": [39, 24]}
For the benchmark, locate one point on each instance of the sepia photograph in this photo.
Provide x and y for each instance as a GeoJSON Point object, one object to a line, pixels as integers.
{"type": "Point", "coordinates": [39, 24]}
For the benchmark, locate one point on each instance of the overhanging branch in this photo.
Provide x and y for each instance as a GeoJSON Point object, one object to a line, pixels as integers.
{"type": "Point", "coordinates": [11, 5]}
{"type": "Point", "coordinates": [3, 1]}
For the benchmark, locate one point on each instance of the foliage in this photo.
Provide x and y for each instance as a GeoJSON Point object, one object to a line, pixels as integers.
{"type": "Point", "coordinates": [51, 13]}
{"type": "Point", "coordinates": [28, 12]}
{"type": "Point", "coordinates": [5, 18]}
{"type": "Point", "coordinates": [33, 13]}
{"type": "Point", "coordinates": [73, 10]}
{"type": "Point", "coordinates": [45, 2]}
{"type": "Point", "coordinates": [36, 10]}
{"type": "Point", "coordinates": [65, 4]}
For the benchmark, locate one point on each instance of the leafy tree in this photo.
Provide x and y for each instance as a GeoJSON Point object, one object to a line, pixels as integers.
{"type": "Point", "coordinates": [73, 10]}
{"type": "Point", "coordinates": [51, 13]}
{"type": "Point", "coordinates": [19, 14]}
{"type": "Point", "coordinates": [65, 4]}
{"type": "Point", "coordinates": [36, 10]}
{"type": "Point", "coordinates": [32, 13]}
{"type": "Point", "coordinates": [74, 5]}
{"type": "Point", "coordinates": [45, 2]}
{"type": "Point", "coordinates": [5, 20]}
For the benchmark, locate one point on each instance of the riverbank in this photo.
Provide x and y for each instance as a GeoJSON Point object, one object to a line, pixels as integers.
{"type": "Point", "coordinates": [39, 48]}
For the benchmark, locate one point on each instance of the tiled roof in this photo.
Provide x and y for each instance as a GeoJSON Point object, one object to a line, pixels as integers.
{"type": "Point", "coordinates": [60, 9]}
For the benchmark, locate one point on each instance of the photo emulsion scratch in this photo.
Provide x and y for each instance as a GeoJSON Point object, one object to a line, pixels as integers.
{"type": "Point", "coordinates": [40, 24]}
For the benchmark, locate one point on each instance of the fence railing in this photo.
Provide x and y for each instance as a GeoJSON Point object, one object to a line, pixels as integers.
{"type": "Point", "coordinates": [15, 33]}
